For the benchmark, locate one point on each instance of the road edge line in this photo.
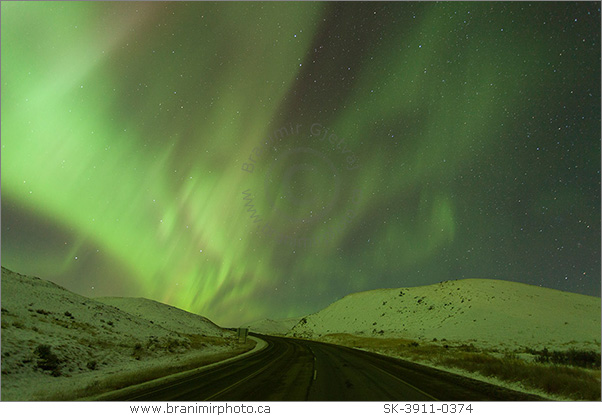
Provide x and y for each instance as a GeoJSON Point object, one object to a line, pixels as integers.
{"type": "Point", "coordinates": [405, 383]}
{"type": "Point", "coordinates": [260, 344]}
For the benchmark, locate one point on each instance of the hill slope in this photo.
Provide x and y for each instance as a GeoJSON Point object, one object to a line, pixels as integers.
{"type": "Point", "coordinates": [165, 315]}
{"type": "Point", "coordinates": [56, 340]}
{"type": "Point", "coordinates": [274, 327]}
{"type": "Point", "coordinates": [480, 311]}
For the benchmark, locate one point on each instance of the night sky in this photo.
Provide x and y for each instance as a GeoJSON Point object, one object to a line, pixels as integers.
{"type": "Point", "coordinates": [249, 160]}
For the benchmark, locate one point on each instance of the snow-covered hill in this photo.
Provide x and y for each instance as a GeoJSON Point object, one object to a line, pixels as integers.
{"type": "Point", "coordinates": [273, 327]}
{"type": "Point", "coordinates": [56, 340]}
{"type": "Point", "coordinates": [165, 315]}
{"type": "Point", "coordinates": [488, 313]}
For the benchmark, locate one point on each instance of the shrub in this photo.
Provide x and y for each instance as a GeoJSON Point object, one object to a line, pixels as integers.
{"type": "Point", "coordinates": [91, 365]}
{"type": "Point", "coordinates": [565, 381]}
{"type": "Point", "coordinates": [172, 345]}
{"type": "Point", "coordinates": [468, 348]}
{"type": "Point", "coordinates": [47, 360]}
{"type": "Point", "coordinates": [43, 312]}
{"type": "Point", "coordinates": [152, 343]}
{"type": "Point", "coordinates": [572, 357]}
{"type": "Point", "coordinates": [138, 351]}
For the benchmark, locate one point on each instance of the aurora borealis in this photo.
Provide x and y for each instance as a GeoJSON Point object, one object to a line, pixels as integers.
{"type": "Point", "coordinates": [251, 160]}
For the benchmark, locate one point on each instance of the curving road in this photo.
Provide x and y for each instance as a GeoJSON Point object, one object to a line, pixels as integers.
{"type": "Point", "coordinates": [299, 370]}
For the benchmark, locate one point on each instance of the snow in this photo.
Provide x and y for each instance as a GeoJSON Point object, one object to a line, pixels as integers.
{"type": "Point", "coordinates": [278, 327]}
{"type": "Point", "coordinates": [138, 335]}
{"type": "Point", "coordinates": [124, 335]}
{"type": "Point", "coordinates": [155, 383]}
{"type": "Point", "coordinates": [488, 313]}
{"type": "Point", "coordinates": [164, 315]}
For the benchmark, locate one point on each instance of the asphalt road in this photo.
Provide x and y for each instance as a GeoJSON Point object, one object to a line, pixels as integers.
{"type": "Point", "coordinates": [299, 370]}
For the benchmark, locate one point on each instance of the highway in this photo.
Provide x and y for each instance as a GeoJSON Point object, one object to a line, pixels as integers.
{"type": "Point", "coordinates": [302, 370]}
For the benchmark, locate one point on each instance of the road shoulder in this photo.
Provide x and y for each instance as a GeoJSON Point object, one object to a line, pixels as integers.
{"type": "Point", "coordinates": [260, 344]}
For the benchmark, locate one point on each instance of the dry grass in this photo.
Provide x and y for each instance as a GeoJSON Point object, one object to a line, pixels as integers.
{"type": "Point", "coordinates": [574, 383]}
{"type": "Point", "coordinates": [134, 377]}
{"type": "Point", "coordinates": [567, 382]}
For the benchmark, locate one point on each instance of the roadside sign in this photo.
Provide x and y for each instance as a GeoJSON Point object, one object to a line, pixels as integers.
{"type": "Point", "coordinates": [242, 334]}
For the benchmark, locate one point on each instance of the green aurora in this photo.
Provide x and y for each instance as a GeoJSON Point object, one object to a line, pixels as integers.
{"type": "Point", "coordinates": [250, 160]}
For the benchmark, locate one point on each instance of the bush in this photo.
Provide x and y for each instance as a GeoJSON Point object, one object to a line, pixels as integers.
{"type": "Point", "coordinates": [564, 381]}
{"type": "Point", "coordinates": [572, 357]}
{"type": "Point", "coordinates": [91, 365]}
{"type": "Point", "coordinates": [47, 360]}
{"type": "Point", "coordinates": [173, 345]}
{"type": "Point", "coordinates": [138, 351]}
{"type": "Point", "coordinates": [153, 343]}
{"type": "Point", "coordinates": [468, 348]}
